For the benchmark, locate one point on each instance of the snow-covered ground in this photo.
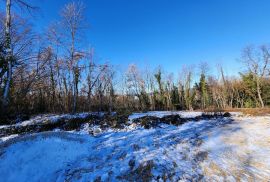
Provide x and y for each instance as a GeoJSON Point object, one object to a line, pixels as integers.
{"type": "Point", "coordinates": [236, 149]}
{"type": "Point", "coordinates": [238, 152]}
{"type": "Point", "coordinates": [52, 118]}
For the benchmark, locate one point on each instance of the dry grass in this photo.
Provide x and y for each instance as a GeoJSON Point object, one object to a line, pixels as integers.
{"type": "Point", "coordinates": [251, 111]}
{"type": "Point", "coordinates": [245, 111]}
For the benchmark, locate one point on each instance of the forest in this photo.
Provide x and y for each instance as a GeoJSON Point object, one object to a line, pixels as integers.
{"type": "Point", "coordinates": [54, 72]}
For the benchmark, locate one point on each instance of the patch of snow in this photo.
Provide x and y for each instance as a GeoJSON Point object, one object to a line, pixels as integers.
{"type": "Point", "coordinates": [41, 158]}
{"type": "Point", "coordinates": [3, 139]}
{"type": "Point", "coordinates": [4, 126]}
{"type": "Point", "coordinates": [52, 118]}
{"type": "Point", "coordinates": [160, 114]}
{"type": "Point", "coordinates": [239, 151]}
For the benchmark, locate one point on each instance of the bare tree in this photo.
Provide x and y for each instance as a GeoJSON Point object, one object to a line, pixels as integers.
{"type": "Point", "coordinates": [257, 62]}
{"type": "Point", "coordinates": [9, 58]}
{"type": "Point", "coordinates": [73, 22]}
{"type": "Point", "coordinates": [185, 80]}
{"type": "Point", "coordinates": [135, 83]}
{"type": "Point", "coordinates": [8, 53]}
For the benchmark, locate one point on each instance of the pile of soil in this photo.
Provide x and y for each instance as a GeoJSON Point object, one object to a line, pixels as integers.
{"type": "Point", "coordinates": [117, 121]}
{"type": "Point", "coordinates": [152, 121]}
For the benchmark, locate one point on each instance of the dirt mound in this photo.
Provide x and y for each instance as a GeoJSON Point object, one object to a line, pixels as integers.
{"type": "Point", "coordinates": [115, 121]}
{"type": "Point", "coordinates": [61, 123]}
{"type": "Point", "coordinates": [175, 119]}
{"type": "Point", "coordinates": [152, 121]}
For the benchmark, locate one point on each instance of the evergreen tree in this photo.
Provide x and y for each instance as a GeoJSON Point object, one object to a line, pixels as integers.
{"type": "Point", "coordinates": [182, 100]}
{"type": "Point", "coordinates": [175, 97]}
{"type": "Point", "coordinates": [250, 90]}
{"type": "Point", "coordinates": [144, 98]}
{"type": "Point", "coordinates": [203, 92]}
{"type": "Point", "coordinates": [161, 98]}
{"type": "Point", "coordinates": [266, 91]}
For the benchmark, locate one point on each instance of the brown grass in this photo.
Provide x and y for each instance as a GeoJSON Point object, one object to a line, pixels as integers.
{"type": "Point", "coordinates": [245, 111]}
{"type": "Point", "coordinates": [251, 111]}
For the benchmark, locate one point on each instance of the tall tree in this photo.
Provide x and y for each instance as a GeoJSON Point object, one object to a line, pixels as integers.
{"type": "Point", "coordinates": [9, 57]}
{"type": "Point", "coordinates": [203, 91]}
{"type": "Point", "coordinates": [160, 94]}
{"type": "Point", "coordinates": [258, 64]}
{"type": "Point", "coordinates": [186, 79]}
{"type": "Point", "coordinates": [74, 23]}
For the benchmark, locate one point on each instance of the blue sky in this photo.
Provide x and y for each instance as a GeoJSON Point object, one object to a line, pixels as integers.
{"type": "Point", "coordinates": [170, 33]}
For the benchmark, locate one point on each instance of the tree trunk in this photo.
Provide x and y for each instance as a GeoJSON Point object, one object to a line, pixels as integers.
{"type": "Point", "coordinates": [259, 91]}
{"type": "Point", "coordinates": [53, 88]}
{"type": "Point", "coordinates": [75, 92]}
{"type": "Point", "coordinates": [9, 53]}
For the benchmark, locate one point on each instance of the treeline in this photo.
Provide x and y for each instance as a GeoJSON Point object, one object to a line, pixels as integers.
{"type": "Point", "coordinates": [53, 72]}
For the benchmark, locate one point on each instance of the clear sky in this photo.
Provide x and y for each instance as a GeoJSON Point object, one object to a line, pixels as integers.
{"type": "Point", "coordinates": [170, 33]}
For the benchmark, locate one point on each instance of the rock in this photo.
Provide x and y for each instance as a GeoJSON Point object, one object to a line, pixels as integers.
{"type": "Point", "coordinates": [227, 114]}
{"type": "Point", "coordinates": [96, 131]}
{"type": "Point", "coordinates": [131, 164]}
{"type": "Point", "coordinates": [201, 156]}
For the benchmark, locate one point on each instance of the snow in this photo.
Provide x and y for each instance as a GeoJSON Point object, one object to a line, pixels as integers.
{"type": "Point", "coordinates": [55, 118]}
{"type": "Point", "coordinates": [52, 118]}
{"type": "Point", "coordinates": [3, 139]}
{"type": "Point", "coordinates": [41, 157]}
{"type": "Point", "coordinates": [4, 126]}
{"type": "Point", "coordinates": [160, 114]}
{"type": "Point", "coordinates": [240, 151]}
{"type": "Point", "coordinates": [213, 150]}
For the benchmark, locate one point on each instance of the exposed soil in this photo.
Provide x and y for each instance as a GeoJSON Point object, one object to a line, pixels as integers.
{"type": "Point", "coordinates": [106, 121]}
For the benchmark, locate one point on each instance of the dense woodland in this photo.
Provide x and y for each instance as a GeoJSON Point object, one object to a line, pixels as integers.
{"type": "Point", "coordinates": [56, 71]}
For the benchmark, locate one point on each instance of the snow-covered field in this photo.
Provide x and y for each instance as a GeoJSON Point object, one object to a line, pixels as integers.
{"type": "Point", "coordinates": [228, 149]}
